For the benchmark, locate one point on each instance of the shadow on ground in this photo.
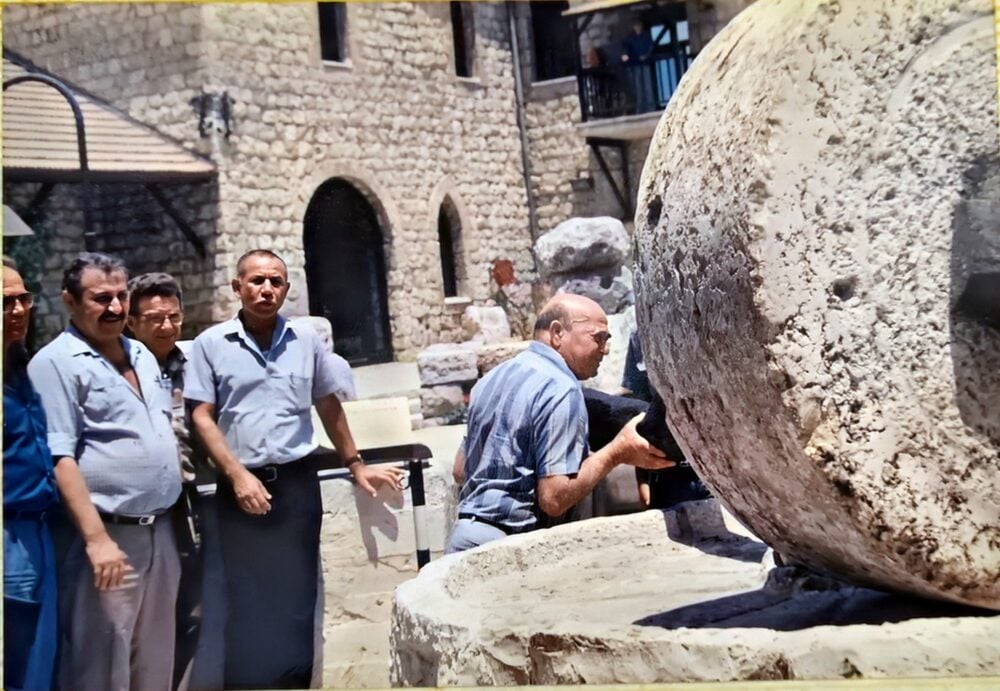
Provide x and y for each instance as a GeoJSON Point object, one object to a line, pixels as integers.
{"type": "Point", "coordinates": [795, 599]}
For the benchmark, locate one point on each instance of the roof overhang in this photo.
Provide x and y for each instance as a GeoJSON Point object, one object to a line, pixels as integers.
{"type": "Point", "coordinates": [40, 138]}
{"type": "Point", "coordinates": [591, 6]}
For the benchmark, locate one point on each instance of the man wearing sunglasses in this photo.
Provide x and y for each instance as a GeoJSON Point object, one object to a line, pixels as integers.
{"type": "Point", "coordinates": [527, 431]}
{"type": "Point", "coordinates": [29, 494]}
{"type": "Point", "coordinates": [109, 430]}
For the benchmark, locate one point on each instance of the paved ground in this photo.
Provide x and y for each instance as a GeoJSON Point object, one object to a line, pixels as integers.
{"type": "Point", "coordinates": [359, 597]}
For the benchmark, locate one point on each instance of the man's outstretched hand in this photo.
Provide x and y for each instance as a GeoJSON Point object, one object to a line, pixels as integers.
{"type": "Point", "coordinates": [370, 478]}
{"type": "Point", "coordinates": [633, 449]}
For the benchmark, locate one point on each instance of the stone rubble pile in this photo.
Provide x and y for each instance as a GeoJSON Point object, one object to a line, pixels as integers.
{"type": "Point", "coordinates": [591, 257]}
{"type": "Point", "coordinates": [585, 256]}
{"type": "Point", "coordinates": [448, 371]}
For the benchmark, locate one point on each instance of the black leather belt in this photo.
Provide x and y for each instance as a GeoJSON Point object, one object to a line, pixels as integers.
{"type": "Point", "coordinates": [472, 517]}
{"type": "Point", "coordinates": [270, 473]}
{"type": "Point", "coordinates": [148, 519]}
{"type": "Point", "coordinates": [15, 515]}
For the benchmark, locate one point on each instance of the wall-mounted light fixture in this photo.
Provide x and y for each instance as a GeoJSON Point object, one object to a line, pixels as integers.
{"type": "Point", "coordinates": [215, 113]}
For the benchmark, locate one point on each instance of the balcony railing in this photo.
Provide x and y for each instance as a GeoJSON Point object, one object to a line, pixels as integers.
{"type": "Point", "coordinates": [616, 90]}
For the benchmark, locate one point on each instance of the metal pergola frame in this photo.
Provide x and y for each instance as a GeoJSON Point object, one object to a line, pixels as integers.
{"type": "Point", "coordinates": [85, 177]}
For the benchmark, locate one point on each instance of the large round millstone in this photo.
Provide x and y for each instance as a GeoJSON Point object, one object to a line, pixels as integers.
{"type": "Point", "coordinates": [818, 283]}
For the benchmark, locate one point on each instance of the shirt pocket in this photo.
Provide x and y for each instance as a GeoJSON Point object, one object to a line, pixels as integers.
{"type": "Point", "coordinates": [292, 390]}
{"type": "Point", "coordinates": [106, 399]}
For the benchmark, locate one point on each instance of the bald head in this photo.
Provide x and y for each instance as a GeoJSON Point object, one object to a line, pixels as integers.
{"type": "Point", "coordinates": [576, 328]}
{"type": "Point", "coordinates": [565, 308]}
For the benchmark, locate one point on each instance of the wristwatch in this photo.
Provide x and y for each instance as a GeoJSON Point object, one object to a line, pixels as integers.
{"type": "Point", "coordinates": [356, 458]}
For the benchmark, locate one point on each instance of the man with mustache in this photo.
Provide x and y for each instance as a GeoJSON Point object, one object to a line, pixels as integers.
{"type": "Point", "coordinates": [116, 467]}
{"type": "Point", "coordinates": [29, 494]}
{"type": "Point", "coordinates": [527, 433]}
{"type": "Point", "coordinates": [252, 381]}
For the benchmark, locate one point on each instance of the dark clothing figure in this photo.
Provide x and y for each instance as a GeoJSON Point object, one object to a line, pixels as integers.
{"type": "Point", "coordinates": [673, 485]}
{"type": "Point", "coordinates": [607, 414]}
{"type": "Point", "coordinates": [637, 50]}
{"type": "Point", "coordinates": [29, 571]}
{"type": "Point", "coordinates": [280, 549]}
{"type": "Point", "coordinates": [634, 377]}
{"type": "Point", "coordinates": [187, 527]}
{"type": "Point", "coordinates": [637, 46]}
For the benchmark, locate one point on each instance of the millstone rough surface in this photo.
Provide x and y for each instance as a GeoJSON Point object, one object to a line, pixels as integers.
{"type": "Point", "coordinates": [817, 228]}
{"type": "Point", "coordinates": [663, 597]}
{"type": "Point", "coordinates": [582, 243]}
{"type": "Point", "coordinates": [447, 363]}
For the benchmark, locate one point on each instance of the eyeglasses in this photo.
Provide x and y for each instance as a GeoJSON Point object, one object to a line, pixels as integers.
{"type": "Point", "coordinates": [601, 337]}
{"type": "Point", "coordinates": [26, 300]}
{"type": "Point", "coordinates": [174, 318]}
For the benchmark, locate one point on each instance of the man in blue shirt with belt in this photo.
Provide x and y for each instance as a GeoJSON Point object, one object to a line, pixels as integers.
{"type": "Point", "coordinates": [527, 432]}
{"type": "Point", "coordinates": [29, 493]}
{"type": "Point", "coordinates": [253, 381]}
{"type": "Point", "coordinates": [117, 469]}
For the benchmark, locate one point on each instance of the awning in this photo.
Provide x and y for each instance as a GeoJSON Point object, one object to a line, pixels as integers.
{"type": "Point", "coordinates": [40, 142]}
{"type": "Point", "coordinates": [588, 6]}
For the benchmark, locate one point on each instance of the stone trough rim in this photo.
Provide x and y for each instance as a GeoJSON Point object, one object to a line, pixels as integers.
{"type": "Point", "coordinates": [822, 646]}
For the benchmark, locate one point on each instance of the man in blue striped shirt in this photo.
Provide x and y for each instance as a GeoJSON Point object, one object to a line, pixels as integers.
{"type": "Point", "coordinates": [527, 432]}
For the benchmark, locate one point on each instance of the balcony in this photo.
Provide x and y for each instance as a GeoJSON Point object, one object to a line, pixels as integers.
{"type": "Point", "coordinates": [625, 101]}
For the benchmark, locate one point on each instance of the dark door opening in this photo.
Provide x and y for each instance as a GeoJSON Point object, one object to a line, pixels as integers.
{"type": "Point", "coordinates": [345, 272]}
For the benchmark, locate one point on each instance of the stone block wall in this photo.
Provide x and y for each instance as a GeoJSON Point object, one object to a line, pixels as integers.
{"type": "Point", "coordinates": [559, 153]}
{"type": "Point", "coordinates": [133, 227]}
{"type": "Point", "coordinates": [392, 119]}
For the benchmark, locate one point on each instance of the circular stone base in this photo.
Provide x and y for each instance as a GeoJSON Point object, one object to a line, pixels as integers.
{"type": "Point", "coordinates": [685, 595]}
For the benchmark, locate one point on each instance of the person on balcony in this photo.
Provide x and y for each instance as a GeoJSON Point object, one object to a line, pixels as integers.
{"type": "Point", "coordinates": [637, 57]}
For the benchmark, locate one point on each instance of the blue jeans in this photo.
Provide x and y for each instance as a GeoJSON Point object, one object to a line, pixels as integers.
{"type": "Point", "coordinates": [29, 601]}
{"type": "Point", "coordinates": [468, 534]}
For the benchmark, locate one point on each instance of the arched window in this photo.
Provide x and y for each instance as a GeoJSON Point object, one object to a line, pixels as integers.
{"type": "Point", "coordinates": [450, 243]}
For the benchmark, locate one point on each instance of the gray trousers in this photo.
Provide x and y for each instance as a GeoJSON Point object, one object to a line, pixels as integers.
{"type": "Point", "coordinates": [121, 639]}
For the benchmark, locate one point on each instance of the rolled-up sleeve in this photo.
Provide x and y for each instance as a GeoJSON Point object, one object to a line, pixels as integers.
{"type": "Point", "coordinates": [560, 435]}
{"type": "Point", "coordinates": [199, 381]}
{"type": "Point", "coordinates": [58, 393]}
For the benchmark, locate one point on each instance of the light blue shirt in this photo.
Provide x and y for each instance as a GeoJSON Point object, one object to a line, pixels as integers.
{"type": "Point", "coordinates": [527, 420]}
{"type": "Point", "coordinates": [263, 399]}
{"type": "Point", "coordinates": [123, 442]}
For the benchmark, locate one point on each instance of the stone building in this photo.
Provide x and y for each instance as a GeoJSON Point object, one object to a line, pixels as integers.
{"type": "Point", "coordinates": [390, 152]}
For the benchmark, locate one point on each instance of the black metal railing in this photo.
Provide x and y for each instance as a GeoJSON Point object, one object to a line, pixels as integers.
{"type": "Point", "coordinates": [616, 90]}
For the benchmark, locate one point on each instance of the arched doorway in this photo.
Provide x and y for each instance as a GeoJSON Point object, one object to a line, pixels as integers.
{"type": "Point", "coordinates": [345, 271]}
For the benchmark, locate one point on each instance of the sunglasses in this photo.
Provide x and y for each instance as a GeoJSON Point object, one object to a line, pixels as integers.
{"type": "Point", "coordinates": [26, 300]}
